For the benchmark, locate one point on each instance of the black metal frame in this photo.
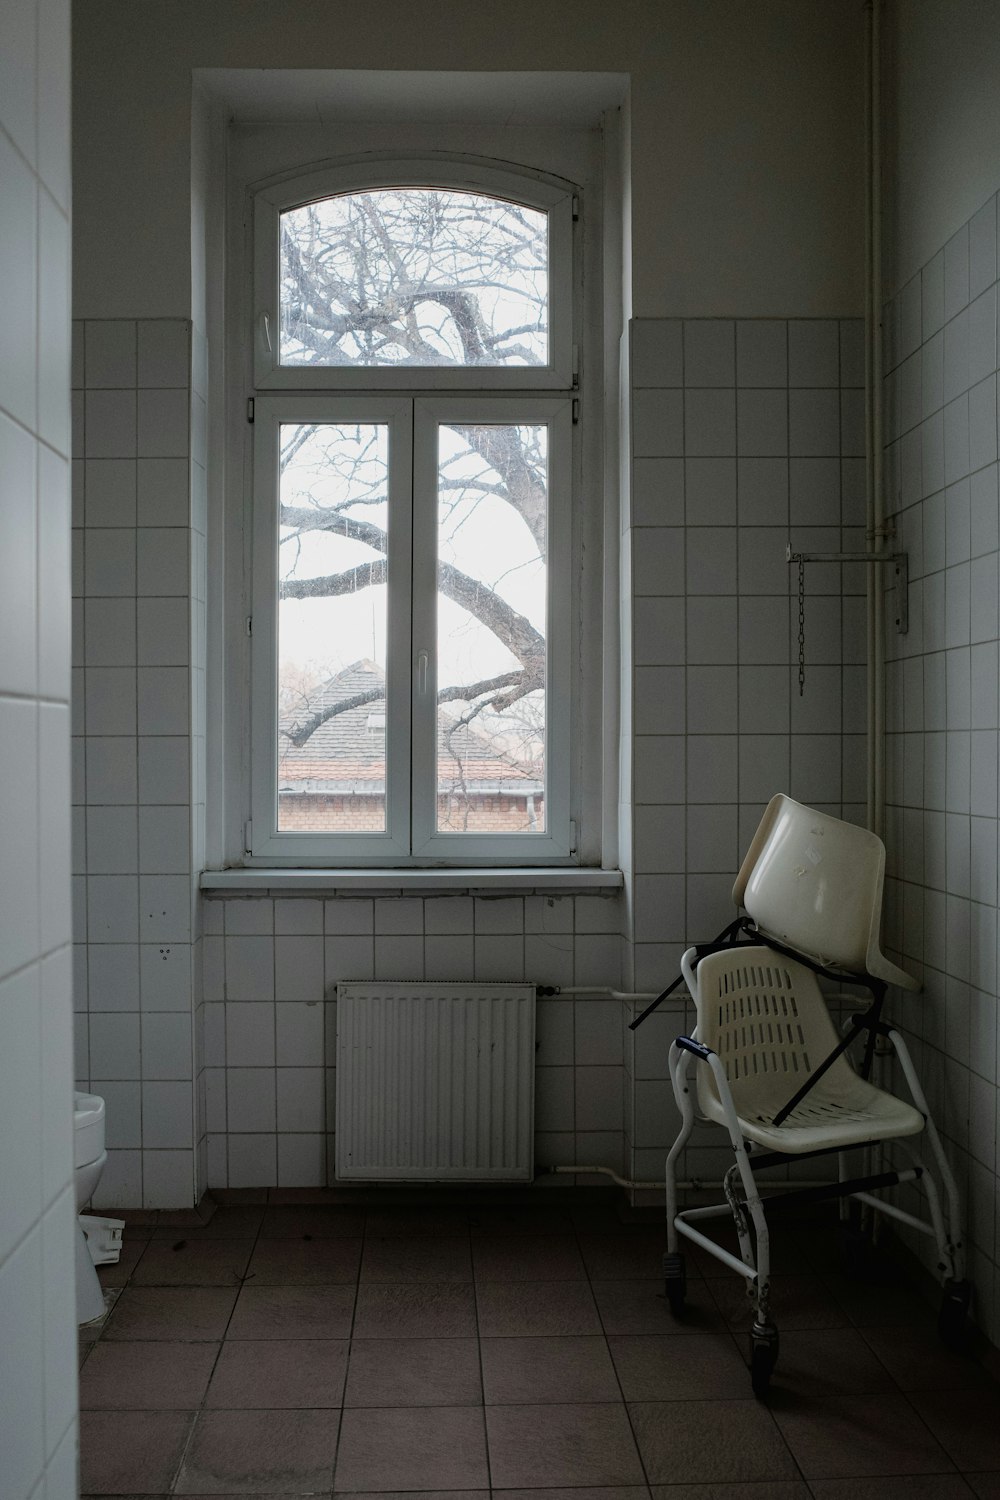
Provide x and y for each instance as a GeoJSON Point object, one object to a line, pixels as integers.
{"type": "Point", "coordinates": [871, 1021]}
{"type": "Point", "coordinates": [841, 1189]}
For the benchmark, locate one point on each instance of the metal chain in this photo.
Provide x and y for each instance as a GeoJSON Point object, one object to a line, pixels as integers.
{"type": "Point", "coordinates": [802, 627]}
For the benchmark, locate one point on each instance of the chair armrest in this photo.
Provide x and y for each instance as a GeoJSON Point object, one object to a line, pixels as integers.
{"type": "Point", "coordinates": [698, 1048]}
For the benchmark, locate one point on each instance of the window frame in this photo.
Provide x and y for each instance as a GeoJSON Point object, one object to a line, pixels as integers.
{"type": "Point", "coordinates": [429, 414]}
{"type": "Point", "coordinates": [411, 836]}
{"type": "Point", "coordinates": [525, 389]}
{"type": "Point", "coordinates": [557, 201]}
{"type": "Point", "coordinates": [265, 840]}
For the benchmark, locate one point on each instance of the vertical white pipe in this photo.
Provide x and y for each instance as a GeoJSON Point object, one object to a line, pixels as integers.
{"type": "Point", "coordinates": [875, 513]}
{"type": "Point", "coordinates": [878, 497]}
{"type": "Point", "coordinates": [871, 591]}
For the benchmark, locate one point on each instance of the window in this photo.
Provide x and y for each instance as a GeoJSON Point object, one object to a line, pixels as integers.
{"type": "Point", "coordinates": [412, 579]}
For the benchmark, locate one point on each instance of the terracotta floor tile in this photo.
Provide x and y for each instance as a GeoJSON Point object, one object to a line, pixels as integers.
{"type": "Point", "coordinates": [521, 1220]}
{"type": "Point", "coordinates": [585, 1492]}
{"type": "Point", "coordinates": [131, 1452]}
{"type": "Point", "coordinates": [225, 1224]}
{"type": "Point", "coordinates": [170, 1312]}
{"type": "Point", "coordinates": [880, 1306]}
{"type": "Point", "coordinates": [253, 1453]}
{"type": "Point", "coordinates": [432, 1310]}
{"type": "Point", "coordinates": [542, 1308]}
{"type": "Point", "coordinates": [710, 1442]}
{"type": "Point", "coordinates": [527, 1257]}
{"type": "Point", "coordinates": [530, 1371]}
{"type": "Point", "coordinates": [840, 1437]}
{"type": "Point", "coordinates": [273, 1373]}
{"type": "Point", "coordinates": [543, 1446]}
{"type": "Point", "coordinates": [918, 1361]}
{"type": "Point", "coordinates": [797, 1302]}
{"type": "Point", "coordinates": [413, 1372]}
{"type": "Point", "coordinates": [787, 1257]}
{"type": "Point", "coordinates": [312, 1222]}
{"type": "Point", "coordinates": [985, 1486]}
{"type": "Point", "coordinates": [424, 1494]}
{"type": "Point", "coordinates": [767, 1489]}
{"type": "Point", "coordinates": [430, 1447]}
{"type": "Point", "coordinates": [825, 1362]}
{"type": "Point", "coordinates": [395, 1258]}
{"type": "Point", "coordinates": [293, 1312]}
{"type": "Point", "coordinates": [907, 1487]}
{"type": "Point", "coordinates": [655, 1367]}
{"type": "Point", "coordinates": [188, 1262]}
{"type": "Point", "coordinates": [130, 1374]}
{"type": "Point", "coordinates": [417, 1220]}
{"type": "Point", "coordinates": [966, 1423]}
{"type": "Point", "coordinates": [305, 1262]}
{"type": "Point", "coordinates": [624, 1257]}
{"type": "Point", "coordinates": [119, 1272]}
{"type": "Point", "coordinates": [641, 1307]}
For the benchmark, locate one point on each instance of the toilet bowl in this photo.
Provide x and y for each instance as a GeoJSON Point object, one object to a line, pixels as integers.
{"type": "Point", "coordinates": [97, 1239]}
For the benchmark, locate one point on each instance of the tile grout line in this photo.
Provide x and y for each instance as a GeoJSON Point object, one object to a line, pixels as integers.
{"type": "Point", "coordinates": [200, 1410]}
{"type": "Point", "coordinates": [607, 1345]}
{"type": "Point", "coordinates": [350, 1350]}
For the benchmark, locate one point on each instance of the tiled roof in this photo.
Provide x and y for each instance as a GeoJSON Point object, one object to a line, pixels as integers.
{"type": "Point", "coordinates": [349, 747]}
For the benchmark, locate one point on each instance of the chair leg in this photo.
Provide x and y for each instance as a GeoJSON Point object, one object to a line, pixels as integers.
{"type": "Point", "coordinates": [678, 1061]}
{"type": "Point", "coordinates": [949, 1236]}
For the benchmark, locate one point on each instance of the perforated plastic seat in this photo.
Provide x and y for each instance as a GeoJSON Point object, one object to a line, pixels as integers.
{"type": "Point", "coordinates": [766, 1018]}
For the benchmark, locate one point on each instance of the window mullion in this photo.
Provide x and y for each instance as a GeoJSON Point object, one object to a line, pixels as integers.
{"type": "Point", "coordinates": [424, 646]}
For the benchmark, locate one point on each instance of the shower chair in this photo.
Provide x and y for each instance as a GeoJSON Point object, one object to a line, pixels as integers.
{"type": "Point", "coordinates": [771, 1069]}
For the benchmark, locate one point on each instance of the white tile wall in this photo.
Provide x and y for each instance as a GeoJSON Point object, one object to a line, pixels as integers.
{"type": "Point", "coordinates": [136, 738]}
{"type": "Point", "coordinates": [271, 970]}
{"type": "Point", "coordinates": [745, 438]}
{"type": "Point", "coordinates": [37, 1284]}
{"type": "Point", "coordinates": [942, 693]}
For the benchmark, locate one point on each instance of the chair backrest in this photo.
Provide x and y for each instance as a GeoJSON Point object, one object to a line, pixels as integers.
{"type": "Point", "coordinates": [766, 1018]}
{"type": "Point", "coordinates": [814, 883]}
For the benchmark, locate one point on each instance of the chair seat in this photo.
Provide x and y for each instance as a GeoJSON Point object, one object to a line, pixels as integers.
{"type": "Point", "coordinates": [828, 1117]}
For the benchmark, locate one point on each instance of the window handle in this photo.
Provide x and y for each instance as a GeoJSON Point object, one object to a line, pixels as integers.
{"type": "Point", "coordinates": [265, 328]}
{"type": "Point", "coordinates": [422, 673]}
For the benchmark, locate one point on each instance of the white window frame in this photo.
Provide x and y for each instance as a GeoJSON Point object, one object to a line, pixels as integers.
{"type": "Point", "coordinates": [264, 838]}
{"type": "Point", "coordinates": [413, 401]}
{"type": "Point", "coordinates": [431, 413]}
{"type": "Point", "coordinates": [534, 192]}
{"type": "Point", "coordinates": [411, 834]}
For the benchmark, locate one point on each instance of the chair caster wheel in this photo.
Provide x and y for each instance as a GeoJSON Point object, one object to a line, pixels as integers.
{"type": "Point", "coordinates": [675, 1282]}
{"type": "Point", "coordinates": [763, 1358]}
{"type": "Point", "coordinates": [953, 1326]}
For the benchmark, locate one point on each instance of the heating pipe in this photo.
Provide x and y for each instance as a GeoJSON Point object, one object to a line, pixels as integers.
{"type": "Point", "coordinates": [875, 527]}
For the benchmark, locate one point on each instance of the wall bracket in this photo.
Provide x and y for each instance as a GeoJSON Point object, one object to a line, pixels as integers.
{"type": "Point", "coordinates": [900, 565]}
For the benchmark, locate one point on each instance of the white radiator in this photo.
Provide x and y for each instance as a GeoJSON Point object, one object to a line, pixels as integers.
{"type": "Point", "coordinates": [435, 1082]}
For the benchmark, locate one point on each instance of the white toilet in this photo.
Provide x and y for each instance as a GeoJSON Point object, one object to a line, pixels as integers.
{"type": "Point", "coordinates": [98, 1240]}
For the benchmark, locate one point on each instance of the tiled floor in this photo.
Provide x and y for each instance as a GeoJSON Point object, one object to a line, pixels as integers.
{"type": "Point", "coordinates": [293, 1350]}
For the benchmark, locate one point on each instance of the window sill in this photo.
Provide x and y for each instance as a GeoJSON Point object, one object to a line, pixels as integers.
{"type": "Point", "coordinates": [566, 881]}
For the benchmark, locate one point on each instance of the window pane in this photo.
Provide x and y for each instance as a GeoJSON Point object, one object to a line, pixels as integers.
{"type": "Point", "coordinates": [492, 502]}
{"type": "Point", "coordinates": [414, 276]}
{"type": "Point", "coordinates": [332, 569]}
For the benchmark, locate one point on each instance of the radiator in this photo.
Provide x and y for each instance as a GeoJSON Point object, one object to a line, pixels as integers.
{"type": "Point", "coordinates": [435, 1082]}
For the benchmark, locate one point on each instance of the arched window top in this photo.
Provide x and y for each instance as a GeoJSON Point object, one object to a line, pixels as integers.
{"type": "Point", "coordinates": [414, 276]}
{"type": "Point", "coordinates": [417, 273]}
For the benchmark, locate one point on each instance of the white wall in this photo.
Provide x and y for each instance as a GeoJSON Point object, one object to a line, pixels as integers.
{"type": "Point", "coordinates": [942, 677]}
{"type": "Point", "coordinates": [743, 194]}
{"type": "Point", "coordinates": [37, 1275]}
{"type": "Point", "coordinates": [942, 68]}
{"type": "Point", "coordinates": [745, 132]}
